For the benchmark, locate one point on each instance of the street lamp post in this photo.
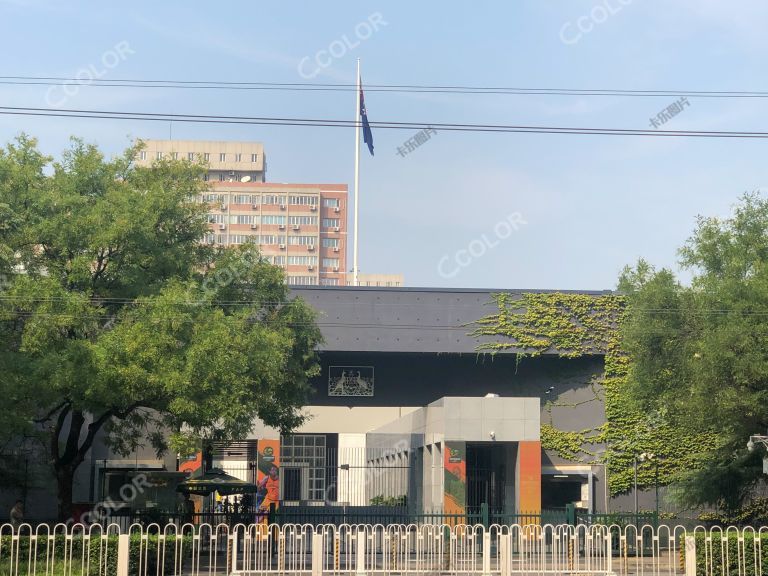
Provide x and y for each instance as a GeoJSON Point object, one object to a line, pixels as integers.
{"type": "Point", "coordinates": [636, 507]}
{"type": "Point", "coordinates": [650, 457]}
{"type": "Point", "coordinates": [756, 439]}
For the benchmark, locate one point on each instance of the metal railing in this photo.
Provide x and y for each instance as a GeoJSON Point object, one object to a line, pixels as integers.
{"type": "Point", "coordinates": [294, 549]}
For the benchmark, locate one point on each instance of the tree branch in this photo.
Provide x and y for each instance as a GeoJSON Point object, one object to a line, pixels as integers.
{"type": "Point", "coordinates": [51, 412]}
{"type": "Point", "coordinates": [56, 433]}
{"type": "Point", "coordinates": [71, 451]}
{"type": "Point", "coordinates": [97, 424]}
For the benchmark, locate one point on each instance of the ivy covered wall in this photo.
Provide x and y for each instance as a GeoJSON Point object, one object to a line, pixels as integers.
{"type": "Point", "coordinates": [574, 325]}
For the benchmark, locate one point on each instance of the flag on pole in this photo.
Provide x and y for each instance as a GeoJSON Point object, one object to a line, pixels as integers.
{"type": "Point", "coordinates": [367, 134]}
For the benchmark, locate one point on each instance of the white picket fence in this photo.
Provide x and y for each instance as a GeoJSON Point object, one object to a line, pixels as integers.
{"type": "Point", "coordinates": [380, 550]}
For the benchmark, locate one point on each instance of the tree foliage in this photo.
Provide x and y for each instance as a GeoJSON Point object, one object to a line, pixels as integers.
{"type": "Point", "coordinates": [700, 351]}
{"type": "Point", "coordinates": [119, 323]}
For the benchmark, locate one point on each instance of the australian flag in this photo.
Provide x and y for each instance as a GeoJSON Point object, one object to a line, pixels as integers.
{"type": "Point", "coordinates": [367, 134]}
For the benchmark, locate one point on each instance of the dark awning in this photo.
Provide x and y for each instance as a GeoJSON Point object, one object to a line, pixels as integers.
{"type": "Point", "coordinates": [215, 480]}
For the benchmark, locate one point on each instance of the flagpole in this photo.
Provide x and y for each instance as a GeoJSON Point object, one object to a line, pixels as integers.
{"type": "Point", "coordinates": [355, 281]}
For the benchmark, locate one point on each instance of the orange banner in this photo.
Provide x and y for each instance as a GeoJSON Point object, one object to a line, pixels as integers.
{"type": "Point", "coordinates": [529, 477]}
{"type": "Point", "coordinates": [268, 474]}
{"type": "Point", "coordinates": [455, 468]}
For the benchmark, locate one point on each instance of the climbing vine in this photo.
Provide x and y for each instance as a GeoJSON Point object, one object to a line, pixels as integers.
{"type": "Point", "coordinates": [576, 325]}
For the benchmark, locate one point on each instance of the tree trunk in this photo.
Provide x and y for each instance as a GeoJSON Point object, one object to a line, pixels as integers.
{"type": "Point", "coordinates": [65, 479]}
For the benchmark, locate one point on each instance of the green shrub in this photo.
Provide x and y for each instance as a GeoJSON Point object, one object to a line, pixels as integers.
{"type": "Point", "coordinates": [753, 513]}
{"type": "Point", "coordinates": [723, 553]}
{"type": "Point", "coordinates": [391, 501]}
{"type": "Point", "coordinates": [93, 555]}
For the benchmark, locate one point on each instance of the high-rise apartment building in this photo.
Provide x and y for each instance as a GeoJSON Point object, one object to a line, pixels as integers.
{"type": "Point", "coordinates": [376, 280]}
{"type": "Point", "coordinates": [299, 227]}
{"type": "Point", "coordinates": [227, 161]}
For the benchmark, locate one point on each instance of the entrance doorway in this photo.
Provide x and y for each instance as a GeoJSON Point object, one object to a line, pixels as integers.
{"type": "Point", "coordinates": [292, 483]}
{"type": "Point", "coordinates": [486, 476]}
{"type": "Point", "coordinates": [559, 490]}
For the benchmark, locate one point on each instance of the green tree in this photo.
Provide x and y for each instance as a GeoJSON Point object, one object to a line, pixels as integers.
{"type": "Point", "coordinates": [700, 351]}
{"type": "Point", "coordinates": [121, 324]}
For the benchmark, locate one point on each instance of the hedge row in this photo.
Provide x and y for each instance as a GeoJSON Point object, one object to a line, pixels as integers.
{"type": "Point", "coordinates": [722, 555]}
{"type": "Point", "coordinates": [94, 555]}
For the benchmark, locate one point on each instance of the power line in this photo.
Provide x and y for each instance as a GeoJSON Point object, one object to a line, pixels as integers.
{"type": "Point", "coordinates": [137, 302]}
{"type": "Point", "coordinates": [341, 87]}
{"type": "Point", "coordinates": [330, 123]}
{"type": "Point", "coordinates": [231, 303]}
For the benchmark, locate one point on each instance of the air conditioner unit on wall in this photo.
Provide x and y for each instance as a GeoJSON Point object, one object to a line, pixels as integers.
{"type": "Point", "coordinates": [254, 226]}
{"type": "Point", "coordinates": [337, 209]}
{"type": "Point", "coordinates": [255, 207]}
{"type": "Point", "coordinates": [313, 208]}
{"type": "Point", "coordinates": [336, 229]}
{"type": "Point", "coordinates": [222, 226]}
{"type": "Point", "coordinates": [282, 246]}
{"type": "Point", "coordinates": [311, 247]}
{"type": "Point", "coordinates": [335, 248]}
{"type": "Point", "coordinates": [223, 206]}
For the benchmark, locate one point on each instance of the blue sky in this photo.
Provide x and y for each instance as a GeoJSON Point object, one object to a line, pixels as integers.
{"type": "Point", "coordinates": [590, 204]}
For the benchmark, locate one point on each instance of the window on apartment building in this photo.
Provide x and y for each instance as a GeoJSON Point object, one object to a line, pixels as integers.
{"type": "Point", "coordinates": [241, 199]}
{"type": "Point", "coordinates": [159, 155]}
{"type": "Point", "coordinates": [206, 177]}
{"type": "Point", "coordinates": [302, 220]}
{"type": "Point", "coordinates": [276, 260]}
{"type": "Point", "coordinates": [221, 239]}
{"type": "Point", "coordinates": [302, 260]}
{"type": "Point", "coordinates": [217, 218]}
{"type": "Point", "coordinates": [209, 238]}
{"type": "Point", "coordinates": [330, 242]}
{"type": "Point", "coordinates": [302, 200]}
{"type": "Point", "coordinates": [222, 156]}
{"type": "Point", "coordinates": [300, 281]}
{"type": "Point", "coordinates": [330, 222]}
{"type": "Point", "coordinates": [175, 155]}
{"type": "Point", "coordinates": [242, 219]}
{"type": "Point", "coordinates": [330, 262]}
{"type": "Point", "coordinates": [331, 202]}
{"type": "Point", "coordinates": [273, 199]}
{"type": "Point", "coordinates": [272, 239]}
{"type": "Point", "coordinates": [206, 157]}
{"type": "Point", "coordinates": [238, 157]}
{"type": "Point", "coordinates": [143, 154]}
{"type": "Point", "coordinates": [329, 281]}
{"type": "Point", "coordinates": [272, 219]}
{"type": "Point", "coordinates": [214, 198]}
{"type": "Point", "coordinates": [301, 240]}
{"type": "Point", "coordinates": [241, 239]}
{"type": "Point", "coordinates": [254, 157]}
{"type": "Point", "coordinates": [190, 156]}
{"type": "Point", "coordinates": [222, 177]}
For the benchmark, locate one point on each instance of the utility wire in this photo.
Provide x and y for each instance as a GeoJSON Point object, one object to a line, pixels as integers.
{"type": "Point", "coordinates": [341, 87]}
{"type": "Point", "coordinates": [698, 312]}
{"type": "Point", "coordinates": [330, 123]}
